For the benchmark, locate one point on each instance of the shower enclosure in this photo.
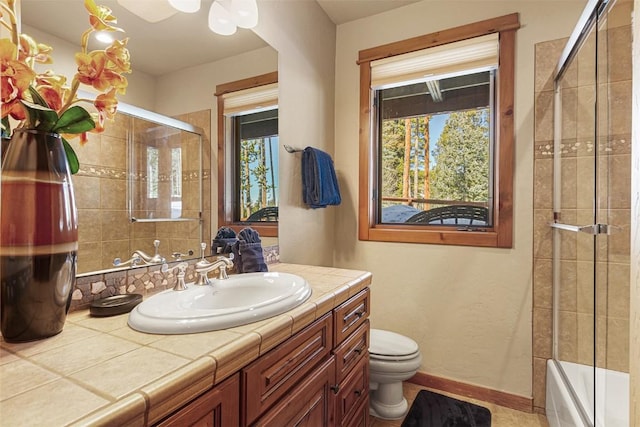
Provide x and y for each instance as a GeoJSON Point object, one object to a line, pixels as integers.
{"type": "Point", "coordinates": [587, 379]}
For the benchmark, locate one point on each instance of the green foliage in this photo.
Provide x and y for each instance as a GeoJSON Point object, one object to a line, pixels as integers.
{"type": "Point", "coordinates": [393, 156]}
{"type": "Point", "coordinates": [461, 169]}
{"type": "Point", "coordinates": [253, 168]}
{"type": "Point", "coordinates": [74, 120]}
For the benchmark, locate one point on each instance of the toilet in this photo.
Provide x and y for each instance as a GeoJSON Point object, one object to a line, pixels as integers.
{"type": "Point", "coordinates": [393, 358]}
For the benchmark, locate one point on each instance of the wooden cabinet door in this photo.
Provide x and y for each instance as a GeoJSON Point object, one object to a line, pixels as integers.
{"type": "Point", "coordinates": [352, 394]}
{"type": "Point", "coordinates": [219, 407]}
{"type": "Point", "coordinates": [309, 404]}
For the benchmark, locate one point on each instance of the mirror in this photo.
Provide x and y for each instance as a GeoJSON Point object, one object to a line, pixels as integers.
{"type": "Point", "coordinates": [176, 64]}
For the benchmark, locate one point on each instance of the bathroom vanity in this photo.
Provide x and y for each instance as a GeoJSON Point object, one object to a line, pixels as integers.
{"type": "Point", "coordinates": [318, 377]}
{"type": "Point", "coordinates": [308, 365]}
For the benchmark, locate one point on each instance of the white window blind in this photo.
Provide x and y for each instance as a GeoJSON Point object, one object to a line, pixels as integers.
{"type": "Point", "coordinates": [475, 53]}
{"type": "Point", "coordinates": [250, 100]}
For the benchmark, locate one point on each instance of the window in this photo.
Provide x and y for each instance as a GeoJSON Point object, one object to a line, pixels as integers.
{"type": "Point", "coordinates": [256, 144]}
{"type": "Point", "coordinates": [248, 154]}
{"type": "Point", "coordinates": [436, 147]}
{"type": "Point", "coordinates": [152, 172]}
{"type": "Point", "coordinates": [176, 182]}
{"type": "Point", "coordinates": [176, 172]}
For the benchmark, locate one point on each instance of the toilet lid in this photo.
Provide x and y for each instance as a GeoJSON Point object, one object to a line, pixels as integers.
{"type": "Point", "coordinates": [387, 343]}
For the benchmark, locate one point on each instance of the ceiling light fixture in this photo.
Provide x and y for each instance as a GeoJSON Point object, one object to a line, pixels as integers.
{"type": "Point", "coordinates": [225, 16]}
{"type": "Point", "coordinates": [103, 37]}
{"type": "Point", "coordinates": [220, 20]}
{"type": "Point", "coordinates": [245, 13]}
{"type": "Point", "coordinates": [187, 6]}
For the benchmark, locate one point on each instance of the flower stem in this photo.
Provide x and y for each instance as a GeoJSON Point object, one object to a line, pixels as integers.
{"type": "Point", "coordinates": [72, 94]}
{"type": "Point", "coordinates": [9, 8]}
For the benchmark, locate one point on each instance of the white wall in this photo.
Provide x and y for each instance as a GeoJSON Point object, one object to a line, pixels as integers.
{"type": "Point", "coordinates": [469, 309]}
{"type": "Point", "coordinates": [192, 89]}
{"type": "Point", "coordinates": [305, 40]}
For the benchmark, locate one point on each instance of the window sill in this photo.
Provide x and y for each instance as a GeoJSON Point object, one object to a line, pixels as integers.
{"type": "Point", "coordinates": [435, 235]}
{"type": "Point", "coordinates": [263, 228]}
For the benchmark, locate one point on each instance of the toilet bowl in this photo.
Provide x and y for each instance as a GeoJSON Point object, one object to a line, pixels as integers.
{"type": "Point", "coordinates": [393, 358]}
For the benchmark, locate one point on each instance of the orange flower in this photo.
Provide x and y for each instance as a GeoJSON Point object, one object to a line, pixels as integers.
{"type": "Point", "coordinates": [91, 69]}
{"type": "Point", "coordinates": [42, 100]}
{"type": "Point", "coordinates": [15, 79]}
{"type": "Point", "coordinates": [100, 17]}
{"type": "Point", "coordinates": [107, 105]}
{"type": "Point", "coordinates": [51, 87]}
{"type": "Point", "coordinates": [119, 56]}
{"type": "Point", "coordinates": [30, 49]}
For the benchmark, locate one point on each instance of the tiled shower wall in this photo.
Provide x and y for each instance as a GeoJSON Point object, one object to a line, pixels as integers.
{"type": "Point", "coordinates": [577, 296]}
{"type": "Point", "coordinates": [105, 231]}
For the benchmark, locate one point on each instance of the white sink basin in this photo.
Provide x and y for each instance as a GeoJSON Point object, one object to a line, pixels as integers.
{"type": "Point", "coordinates": [238, 300]}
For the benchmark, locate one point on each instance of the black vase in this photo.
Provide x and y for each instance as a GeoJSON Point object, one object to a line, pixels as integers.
{"type": "Point", "coordinates": [38, 237]}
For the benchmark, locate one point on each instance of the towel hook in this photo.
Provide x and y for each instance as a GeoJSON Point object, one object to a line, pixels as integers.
{"type": "Point", "coordinates": [290, 149]}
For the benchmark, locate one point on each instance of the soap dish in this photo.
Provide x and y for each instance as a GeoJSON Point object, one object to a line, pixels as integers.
{"type": "Point", "coordinates": [114, 305]}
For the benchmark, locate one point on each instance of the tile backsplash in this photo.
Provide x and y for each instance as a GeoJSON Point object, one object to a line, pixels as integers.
{"type": "Point", "coordinates": [144, 280]}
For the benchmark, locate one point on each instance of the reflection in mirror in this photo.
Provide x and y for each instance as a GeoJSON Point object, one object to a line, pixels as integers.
{"type": "Point", "coordinates": [106, 201]}
{"type": "Point", "coordinates": [165, 164]}
{"type": "Point", "coordinates": [257, 167]}
{"type": "Point", "coordinates": [248, 146]}
{"type": "Point", "coordinates": [156, 84]}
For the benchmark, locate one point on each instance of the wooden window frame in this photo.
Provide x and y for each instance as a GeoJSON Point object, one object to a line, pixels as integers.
{"type": "Point", "coordinates": [225, 202]}
{"type": "Point", "coordinates": [500, 235]}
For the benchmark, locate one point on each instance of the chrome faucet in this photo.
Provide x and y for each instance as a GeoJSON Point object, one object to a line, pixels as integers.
{"type": "Point", "coordinates": [182, 268]}
{"type": "Point", "coordinates": [203, 267]}
{"type": "Point", "coordinates": [155, 259]}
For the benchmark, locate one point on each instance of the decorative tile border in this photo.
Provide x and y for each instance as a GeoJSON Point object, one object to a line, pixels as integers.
{"type": "Point", "coordinates": [102, 172]}
{"type": "Point", "coordinates": [614, 144]}
{"type": "Point", "coordinates": [146, 280]}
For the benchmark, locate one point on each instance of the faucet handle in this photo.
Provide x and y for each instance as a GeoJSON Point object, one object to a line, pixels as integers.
{"type": "Point", "coordinates": [134, 260]}
{"type": "Point", "coordinates": [178, 255]}
{"type": "Point", "coordinates": [203, 246]}
{"type": "Point", "coordinates": [182, 268]}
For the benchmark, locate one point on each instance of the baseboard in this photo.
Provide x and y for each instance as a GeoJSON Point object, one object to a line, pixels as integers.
{"type": "Point", "coordinates": [501, 398]}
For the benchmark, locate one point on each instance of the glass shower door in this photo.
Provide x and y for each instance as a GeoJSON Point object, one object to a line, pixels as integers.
{"type": "Point", "coordinates": [591, 229]}
{"type": "Point", "coordinates": [613, 203]}
{"type": "Point", "coordinates": [575, 230]}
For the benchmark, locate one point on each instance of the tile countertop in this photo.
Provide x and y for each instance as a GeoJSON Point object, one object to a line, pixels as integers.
{"type": "Point", "coordinates": [98, 371]}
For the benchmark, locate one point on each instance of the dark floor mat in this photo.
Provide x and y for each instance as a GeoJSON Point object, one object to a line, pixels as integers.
{"type": "Point", "coordinates": [435, 410]}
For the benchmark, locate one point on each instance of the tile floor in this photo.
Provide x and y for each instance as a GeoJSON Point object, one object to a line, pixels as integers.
{"type": "Point", "coordinates": [500, 416]}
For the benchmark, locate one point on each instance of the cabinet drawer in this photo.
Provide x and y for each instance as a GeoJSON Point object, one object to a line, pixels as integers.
{"type": "Point", "coordinates": [218, 407]}
{"type": "Point", "coordinates": [308, 404]}
{"type": "Point", "coordinates": [350, 315]}
{"type": "Point", "coordinates": [352, 392]}
{"type": "Point", "coordinates": [351, 351]}
{"type": "Point", "coordinates": [271, 376]}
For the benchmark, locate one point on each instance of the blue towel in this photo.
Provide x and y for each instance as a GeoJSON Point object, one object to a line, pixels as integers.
{"type": "Point", "coordinates": [319, 182]}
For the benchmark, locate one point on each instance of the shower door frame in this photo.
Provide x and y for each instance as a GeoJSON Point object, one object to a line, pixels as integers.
{"type": "Point", "coordinates": [587, 24]}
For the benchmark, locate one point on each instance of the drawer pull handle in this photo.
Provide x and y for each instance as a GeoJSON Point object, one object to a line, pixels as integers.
{"type": "Point", "coordinates": [358, 314]}
{"type": "Point", "coordinates": [358, 392]}
{"type": "Point", "coordinates": [357, 350]}
{"type": "Point", "coordinates": [335, 388]}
